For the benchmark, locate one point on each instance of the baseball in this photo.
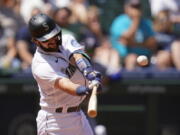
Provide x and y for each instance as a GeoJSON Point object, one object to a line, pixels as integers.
{"type": "Point", "coordinates": [142, 60]}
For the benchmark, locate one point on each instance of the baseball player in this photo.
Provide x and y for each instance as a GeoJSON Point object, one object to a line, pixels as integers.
{"type": "Point", "coordinates": [63, 72]}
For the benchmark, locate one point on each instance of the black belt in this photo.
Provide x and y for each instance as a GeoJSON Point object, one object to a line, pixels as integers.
{"type": "Point", "coordinates": [70, 109]}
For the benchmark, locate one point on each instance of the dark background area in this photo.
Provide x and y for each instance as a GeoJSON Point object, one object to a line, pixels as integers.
{"type": "Point", "coordinates": [130, 106]}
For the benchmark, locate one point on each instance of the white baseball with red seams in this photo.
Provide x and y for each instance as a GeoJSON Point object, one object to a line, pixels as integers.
{"type": "Point", "coordinates": [142, 60]}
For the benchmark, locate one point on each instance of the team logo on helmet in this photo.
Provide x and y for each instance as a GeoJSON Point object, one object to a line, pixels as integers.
{"type": "Point", "coordinates": [46, 27]}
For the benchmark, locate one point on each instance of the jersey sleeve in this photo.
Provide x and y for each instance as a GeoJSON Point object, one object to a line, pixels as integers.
{"type": "Point", "coordinates": [46, 76]}
{"type": "Point", "coordinates": [71, 46]}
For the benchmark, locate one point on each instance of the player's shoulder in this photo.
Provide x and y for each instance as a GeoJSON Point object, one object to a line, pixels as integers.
{"type": "Point", "coordinates": [67, 37]}
{"type": "Point", "coordinates": [36, 61]}
{"type": "Point", "coordinates": [37, 57]}
{"type": "Point", "coordinates": [40, 65]}
{"type": "Point", "coordinates": [69, 40]}
{"type": "Point", "coordinates": [42, 58]}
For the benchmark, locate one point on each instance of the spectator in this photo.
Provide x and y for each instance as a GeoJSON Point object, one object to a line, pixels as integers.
{"type": "Point", "coordinates": [62, 18]}
{"type": "Point", "coordinates": [79, 10]}
{"type": "Point", "coordinates": [172, 5]}
{"type": "Point", "coordinates": [92, 33]}
{"type": "Point", "coordinates": [98, 46]}
{"type": "Point", "coordinates": [58, 3]}
{"type": "Point", "coordinates": [107, 60]}
{"type": "Point", "coordinates": [132, 35]}
{"type": "Point", "coordinates": [10, 14]}
{"type": "Point", "coordinates": [24, 45]}
{"type": "Point", "coordinates": [7, 48]}
{"type": "Point", "coordinates": [28, 5]}
{"type": "Point", "coordinates": [168, 44]}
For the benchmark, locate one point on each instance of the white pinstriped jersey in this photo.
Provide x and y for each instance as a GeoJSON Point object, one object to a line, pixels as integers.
{"type": "Point", "coordinates": [48, 66]}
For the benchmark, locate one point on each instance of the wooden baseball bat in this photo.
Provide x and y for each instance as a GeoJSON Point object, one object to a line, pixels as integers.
{"type": "Point", "coordinates": [92, 106]}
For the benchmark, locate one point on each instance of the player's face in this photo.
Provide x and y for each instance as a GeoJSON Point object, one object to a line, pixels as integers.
{"type": "Point", "coordinates": [50, 45]}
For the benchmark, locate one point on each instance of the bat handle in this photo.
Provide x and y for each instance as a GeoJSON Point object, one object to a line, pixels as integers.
{"type": "Point", "coordinates": [94, 91]}
{"type": "Point", "coordinates": [92, 106]}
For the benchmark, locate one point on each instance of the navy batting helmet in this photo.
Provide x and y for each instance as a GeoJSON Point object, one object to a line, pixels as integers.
{"type": "Point", "coordinates": [42, 27]}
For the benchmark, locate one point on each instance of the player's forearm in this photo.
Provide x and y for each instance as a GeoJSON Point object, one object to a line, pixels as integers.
{"type": "Point", "coordinates": [75, 57]}
{"type": "Point", "coordinates": [66, 85]}
{"type": "Point", "coordinates": [82, 63]}
{"type": "Point", "coordinates": [74, 89]}
{"type": "Point", "coordinates": [85, 66]}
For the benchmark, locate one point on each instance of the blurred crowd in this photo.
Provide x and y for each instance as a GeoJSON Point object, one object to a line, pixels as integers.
{"type": "Point", "coordinates": [129, 35]}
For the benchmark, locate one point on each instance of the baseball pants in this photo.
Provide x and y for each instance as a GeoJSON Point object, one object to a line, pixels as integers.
{"type": "Point", "coordinates": [74, 123]}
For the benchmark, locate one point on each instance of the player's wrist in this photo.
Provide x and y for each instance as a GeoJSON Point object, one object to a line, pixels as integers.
{"type": "Point", "coordinates": [82, 90]}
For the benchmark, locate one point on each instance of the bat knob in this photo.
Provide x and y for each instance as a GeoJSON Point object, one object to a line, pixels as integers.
{"type": "Point", "coordinates": [92, 113]}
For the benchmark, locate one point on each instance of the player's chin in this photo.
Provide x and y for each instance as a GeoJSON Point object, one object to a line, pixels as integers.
{"type": "Point", "coordinates": [50, 49]}
{"type": "Point", "coordinates": [53, 49]}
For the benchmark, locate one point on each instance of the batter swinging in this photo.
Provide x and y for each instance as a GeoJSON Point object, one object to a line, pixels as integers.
{"type": "Point", "coordinates": [63, 72]}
